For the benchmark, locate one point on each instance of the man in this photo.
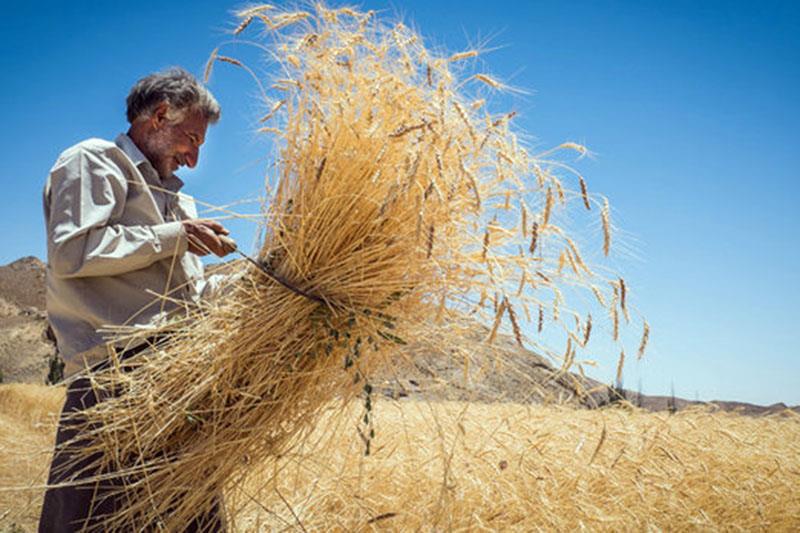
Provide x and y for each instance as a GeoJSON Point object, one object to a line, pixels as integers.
{"type": "Point", "coordinates": [118, 233]}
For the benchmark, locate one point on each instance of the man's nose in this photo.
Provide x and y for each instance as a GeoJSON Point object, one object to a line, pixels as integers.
{"type": "Point", "coordinates": [192, 156]}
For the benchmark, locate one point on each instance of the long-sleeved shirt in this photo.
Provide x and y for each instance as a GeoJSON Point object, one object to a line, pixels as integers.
{"type": "Point", "coordinates": [114, 243]}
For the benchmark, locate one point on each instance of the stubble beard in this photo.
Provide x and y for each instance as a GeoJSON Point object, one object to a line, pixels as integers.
{"type": "Point", "coordinates": [158, 150]}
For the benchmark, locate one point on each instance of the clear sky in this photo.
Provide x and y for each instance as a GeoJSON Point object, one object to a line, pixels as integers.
{"type": "Point", "coordinates": [690, 107]}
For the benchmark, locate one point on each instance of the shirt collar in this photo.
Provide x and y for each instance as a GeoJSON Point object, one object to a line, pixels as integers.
{"type": "Point", "coordinates": [126, 144]}
{"type": "Point", "coordinates": [173, 183]}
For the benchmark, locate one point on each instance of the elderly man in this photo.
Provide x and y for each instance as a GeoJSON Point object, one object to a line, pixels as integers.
{"type": "Point", "coordinates": [117, 233]}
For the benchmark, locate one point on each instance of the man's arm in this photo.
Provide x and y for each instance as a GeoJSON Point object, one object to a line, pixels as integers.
{"type": "Point", "coordinates": [85, 193]}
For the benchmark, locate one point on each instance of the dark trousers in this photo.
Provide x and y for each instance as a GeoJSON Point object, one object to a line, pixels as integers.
{"type": "Point", "coordinates": [77, 506]}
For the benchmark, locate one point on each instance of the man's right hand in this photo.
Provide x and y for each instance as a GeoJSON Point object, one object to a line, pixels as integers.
{"type": "Point", "coordinates": [205, 236]}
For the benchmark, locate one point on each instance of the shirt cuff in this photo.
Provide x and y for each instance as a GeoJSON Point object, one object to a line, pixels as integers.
{"type": "Point", "coordinates": [171, 237]}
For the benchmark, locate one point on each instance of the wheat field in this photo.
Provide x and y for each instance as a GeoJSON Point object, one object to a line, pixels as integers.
{"type": "Point", "coordinates": [481, 466]}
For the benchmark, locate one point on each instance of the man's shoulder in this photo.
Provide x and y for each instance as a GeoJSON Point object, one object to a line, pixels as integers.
{"type": "Point", "coordinates": [91, 155]}
{"type": "Point", "coordinates": [94, 145]}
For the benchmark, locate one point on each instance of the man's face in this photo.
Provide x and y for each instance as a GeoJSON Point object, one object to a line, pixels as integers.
{"type": "Point", "coordinates": [171, 146]}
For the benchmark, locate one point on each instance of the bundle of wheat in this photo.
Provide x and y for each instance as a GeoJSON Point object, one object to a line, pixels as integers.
{"type": "Point", "coordinates": [399, 205]}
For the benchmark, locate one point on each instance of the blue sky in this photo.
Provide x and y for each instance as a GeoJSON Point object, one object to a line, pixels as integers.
{"type": "Point", "coordinates": [690, 108]}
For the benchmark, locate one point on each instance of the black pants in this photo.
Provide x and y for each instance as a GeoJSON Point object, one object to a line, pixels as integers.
{"type": "Point", "coordinates": [76, 506]}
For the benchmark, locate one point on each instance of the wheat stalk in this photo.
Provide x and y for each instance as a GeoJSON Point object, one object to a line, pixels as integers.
{"type": "Point", "coordinates": [645, 338]}
{"type": "Point", "coordinates": [605, 218]}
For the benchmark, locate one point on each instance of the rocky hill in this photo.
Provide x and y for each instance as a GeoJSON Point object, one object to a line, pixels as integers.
{"type": "Point", "coordinates": [25, 344]}
{"type": "Point", "coordinates": [516, 375]}
{"type": "Point", "coordinates": [23, 283]}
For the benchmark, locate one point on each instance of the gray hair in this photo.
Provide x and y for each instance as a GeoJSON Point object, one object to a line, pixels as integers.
{"type": "Point", "coordinates": [179, 89]}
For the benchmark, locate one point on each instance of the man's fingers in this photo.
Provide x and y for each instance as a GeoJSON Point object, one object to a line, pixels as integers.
{"type": "Point", "coordinates": [208, 236]}
{"type": "Point", "coordinates": [228, 244]}
{"type": "Point", "coordinates": [196, 246]}
{"type": "Point", "coordinates": [213, 224]}
{"type": "Point", "coordinates": [211, 239]}
{"type": "Point", "coordinates": [220, 245]}
{"type": "Point", "coordinates": [216, 227]}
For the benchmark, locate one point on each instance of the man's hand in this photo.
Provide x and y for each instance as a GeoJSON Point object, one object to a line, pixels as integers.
{"type": "Point", "coordinates": [208, 236]}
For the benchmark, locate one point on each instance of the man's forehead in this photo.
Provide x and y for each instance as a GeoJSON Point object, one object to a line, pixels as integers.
{"type": "Point", "coordinates": [195, 123]}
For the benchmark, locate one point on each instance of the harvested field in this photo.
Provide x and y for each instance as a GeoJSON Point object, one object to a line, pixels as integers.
{"type": "Point", "coordinates": [27, 431]}
{"type": "Point", "coordinates": [460, 465]}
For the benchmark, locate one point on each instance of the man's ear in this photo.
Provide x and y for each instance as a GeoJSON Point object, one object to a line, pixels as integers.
{"type": "Point", "coordinates": [159, 116]}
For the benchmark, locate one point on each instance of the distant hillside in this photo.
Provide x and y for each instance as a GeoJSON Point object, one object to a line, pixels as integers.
{"type": "Point", "coordinates": [515, 374]}
{"type": "Point", "coordinates": [24, 345]}
{"type": "Point", "coordinates": [23, 283]}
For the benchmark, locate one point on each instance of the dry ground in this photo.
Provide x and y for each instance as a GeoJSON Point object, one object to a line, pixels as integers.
{"type": "Point", "coordinates": [503, 466]}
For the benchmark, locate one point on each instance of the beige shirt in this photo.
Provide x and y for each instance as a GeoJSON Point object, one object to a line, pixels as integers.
{"type": "Point", "coordinates": [113, 242]}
